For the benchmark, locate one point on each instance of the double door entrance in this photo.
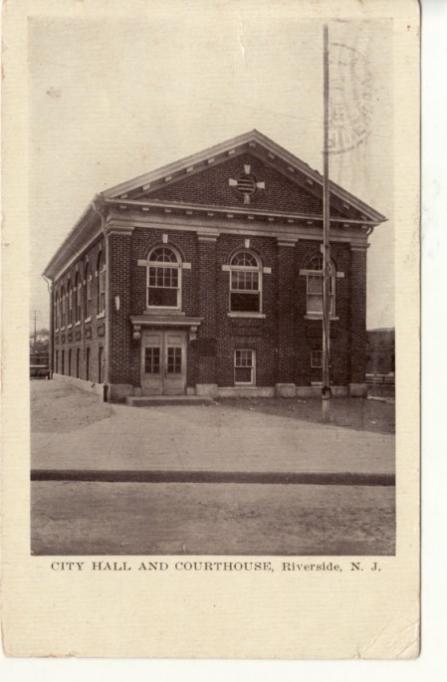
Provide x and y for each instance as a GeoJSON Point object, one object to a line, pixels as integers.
{"type": "Point", "coordinates": [163, 362]}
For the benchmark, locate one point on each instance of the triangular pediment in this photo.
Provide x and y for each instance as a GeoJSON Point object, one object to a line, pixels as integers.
{"type": "Point", "coordinates": [250, 172]}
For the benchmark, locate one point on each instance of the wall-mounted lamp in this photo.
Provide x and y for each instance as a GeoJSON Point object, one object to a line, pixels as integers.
{"type": "Point", "coordinates": [117, 303]}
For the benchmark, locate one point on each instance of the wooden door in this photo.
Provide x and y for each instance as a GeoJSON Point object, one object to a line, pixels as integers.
{"type": "Point", "coordinates": [163, 363]}
{"type": "Point", "coordinates": [174, 361]}
{"type": "Point", "coordinates": [151, 363]}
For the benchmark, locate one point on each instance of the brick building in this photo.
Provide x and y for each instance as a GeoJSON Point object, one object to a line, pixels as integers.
{"type": "Point", "coordinates": [204, 277]}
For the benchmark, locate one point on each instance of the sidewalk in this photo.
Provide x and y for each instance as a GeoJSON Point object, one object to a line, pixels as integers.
{"type": "Point", "coordinates": [211, 442]}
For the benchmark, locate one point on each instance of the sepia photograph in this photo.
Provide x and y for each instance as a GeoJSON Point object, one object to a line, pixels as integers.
{"type": "Point", "coordinates": [210, 340]}
{"type": "Point", "coordinates": [212, 363]}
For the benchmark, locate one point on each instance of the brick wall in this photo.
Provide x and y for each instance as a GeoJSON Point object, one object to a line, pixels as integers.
{"type": "Point", "coordinates": [358, 316]}
{"type": "Point", "coordinates": [256, 334]}
{"type": "Point", "coordinates": [120, 334]}
{"type": "Point", "coordinates": [283, 340]}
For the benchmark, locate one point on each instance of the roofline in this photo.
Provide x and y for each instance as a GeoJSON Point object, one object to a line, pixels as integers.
{"type": "Point", "coordinates": [178, 206]}
{"type": "Point", "coordinates": [255, 136]}
{"type": "Point", "coordinates": [251, 136]}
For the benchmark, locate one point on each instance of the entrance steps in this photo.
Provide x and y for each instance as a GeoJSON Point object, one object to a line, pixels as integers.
{"type": "Point", "coordinates": [163, 400]}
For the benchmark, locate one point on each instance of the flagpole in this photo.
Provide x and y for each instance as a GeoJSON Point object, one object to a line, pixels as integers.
{"type": "Point", "coordinates": [326, 224]}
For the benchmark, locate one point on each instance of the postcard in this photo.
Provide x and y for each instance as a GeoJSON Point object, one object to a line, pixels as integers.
{"type": "Point", "coordinates": [211, 329]}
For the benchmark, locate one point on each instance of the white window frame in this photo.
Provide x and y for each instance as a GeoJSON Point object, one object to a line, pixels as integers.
{"type": "Point", "coordinates": [309, 273]}
{"type": "Point", "coordinates": [253, 367]}
{"type": "Point", "coordinates": [101, 285]}
{"type": "Point", "coordinates": [165, 264]}
{"type": "Point", "coordinates": [70, 304]}
{"type": "Point", "coordinates": [246, 268]}
{"type": "Point", "coordinates": [57, 301]}
{"type": "Point", "coordinates": [88, 279]}
{"type": "Point", "coordinates": [78, 298]}
{"type": "Point", "coordinates": [63, 297]}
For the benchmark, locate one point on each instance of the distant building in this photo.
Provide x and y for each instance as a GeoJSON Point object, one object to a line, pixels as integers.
{"type": "Point", "coordinates": [380, 352]}
{"type": "Point", "coordinates": [205, 277]}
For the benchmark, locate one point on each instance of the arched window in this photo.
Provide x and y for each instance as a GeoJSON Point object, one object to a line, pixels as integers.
{"type": "Point", "coordinates": [70, 302]}
{"type": "Point", "coordinates": [164, 278]}
{"type": "Point", "coordinates": [63, 303]}
{"type": "Point", "coordinates": [100, 284]}
{"type": "Point", "coordinates": [87, 291]}
{"type": "Point", "coordinates": [57, 310]}
{"type": "Point", "coordinates": [78, 295]}
{"type": "Point", "coordinates": [314, 286]}
{"type": "Point", "coordinates": [245, 282]}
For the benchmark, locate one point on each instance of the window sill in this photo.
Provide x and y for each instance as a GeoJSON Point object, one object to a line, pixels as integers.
{"type": "Point", "coordinates": [69, 326]}
{"type": "Point", "coordinates": [62, 329]}
{"type": "Point", "coordinates": [258, 316]}
{"type": "Point", "coordinates": [78, 323]}
{"type": "Point", "coordinates": [88, 319]}
{"type": "Point", "coordinates": [319, 316]}
{"type": "Point", "coordinates": [101, 315]}
{"type": "Point", "coordinates": [239, 383]}
{"type": "Point", "coordinates": [163, 309]}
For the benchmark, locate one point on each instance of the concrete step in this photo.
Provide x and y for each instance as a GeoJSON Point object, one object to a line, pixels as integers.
{"type": "Point", "coordinates": [157, 400]}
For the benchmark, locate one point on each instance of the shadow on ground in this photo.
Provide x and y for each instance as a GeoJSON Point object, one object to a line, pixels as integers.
{"type": "Point", "coordinates": [354, 413]}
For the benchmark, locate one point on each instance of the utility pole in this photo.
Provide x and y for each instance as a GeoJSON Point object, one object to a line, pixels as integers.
{"type": "Point", "coordinates": [326, 392]}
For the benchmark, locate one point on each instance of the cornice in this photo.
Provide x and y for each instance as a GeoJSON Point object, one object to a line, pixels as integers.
{"type": "Point", "coordinates": [228, 212]}
{"type": "Point", "coordinates": [283, 231]}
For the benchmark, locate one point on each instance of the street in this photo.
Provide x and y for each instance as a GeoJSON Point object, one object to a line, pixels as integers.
{"type": "Point", "coordinates": [200, 518]}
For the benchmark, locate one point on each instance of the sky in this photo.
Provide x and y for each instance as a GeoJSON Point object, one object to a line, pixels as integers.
{"type": "Point", "coordinates": [112, 99]}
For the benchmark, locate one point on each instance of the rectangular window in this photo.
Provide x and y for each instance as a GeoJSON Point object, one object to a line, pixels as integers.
{"type": "Point", "coordinates": [102, 289]}
{"type": "Point", "coordinates": [244, 367]}
{"type": "Point", "coordinates": [245, 291]}
{"type": "Point", "coordinates": [87, 364]}
{"type": "Point", "coordinates": [315, 294]}
{"type": "Point", "coordinates": [100, 364]}
{"type": "Point", "coordinates": [63, 363]}
{"type": "Point", "coordinates": [316, 359]}
{"type": "Point", "coordinates": [78, 302]}
{"type": "Point", "coordinates": [152, 360]}
{"type": "Point", "coordinates": [70, 307]}
{"type": "Point", "coordinates": [78, 361]}
{"type": "Point", "coordinates": [174, 360]}
{"type": "Point", "coordinates": [163, 287]}
{"type": "Point", "coordinates": [69, 363]}
{"type": "Point", "coordinates": [57, 361]}
{"type": "Point", "coordinates": [87, 294]}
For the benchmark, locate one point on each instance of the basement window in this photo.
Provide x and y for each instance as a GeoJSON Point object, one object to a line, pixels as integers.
{"type": "Point", "coordinates": [244, 367]}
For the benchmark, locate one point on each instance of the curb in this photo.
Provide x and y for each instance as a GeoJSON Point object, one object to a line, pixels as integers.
{"type": "Point", "coordinates": [266, 477]}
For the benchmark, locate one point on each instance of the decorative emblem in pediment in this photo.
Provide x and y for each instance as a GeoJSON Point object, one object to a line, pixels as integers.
{"type": "Point", "coordinates": [246, 184]}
